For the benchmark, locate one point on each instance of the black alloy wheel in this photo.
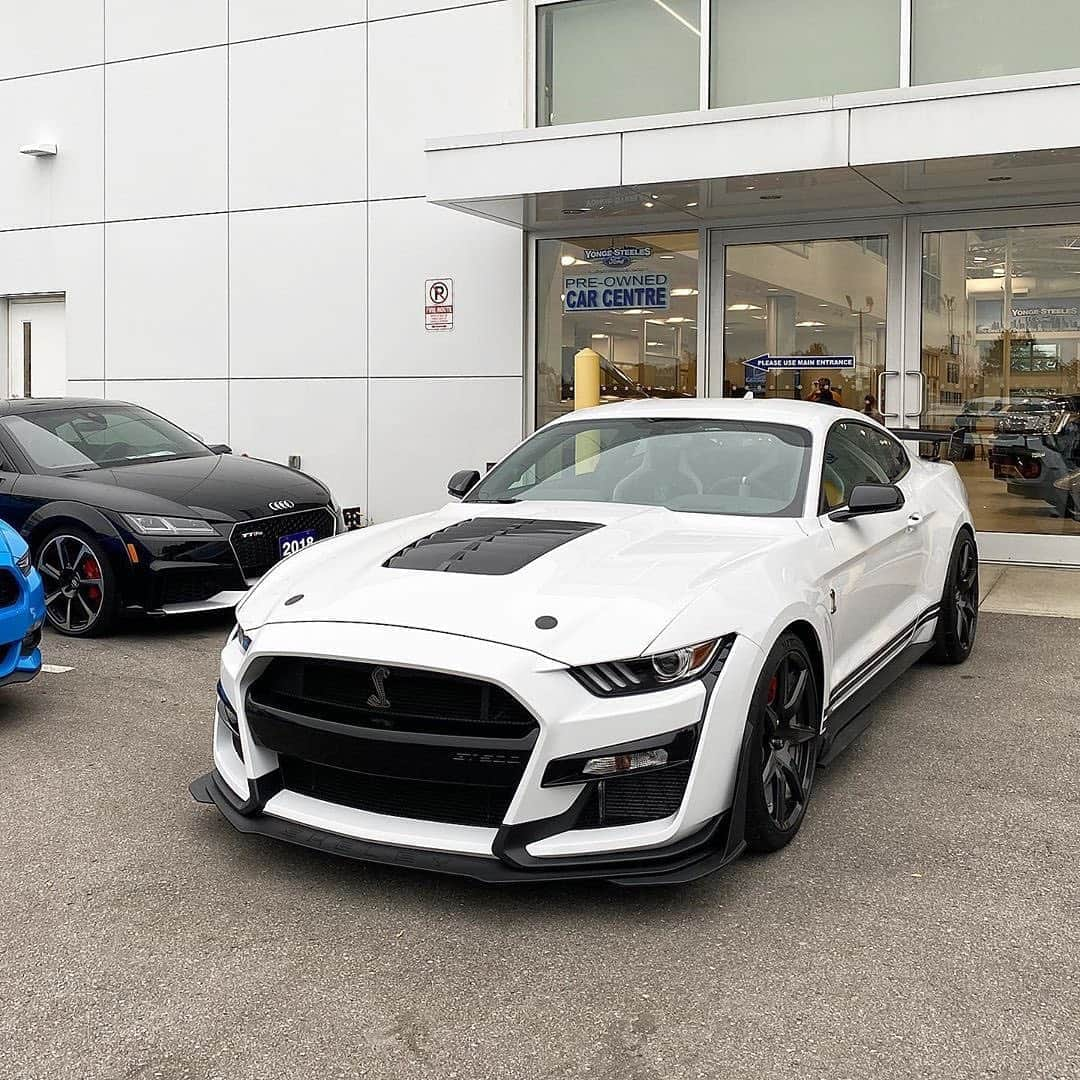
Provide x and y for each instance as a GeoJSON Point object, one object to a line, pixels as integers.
{"type": "Point", "coordinates": [786, 714]}
{"type": "Point", "coordinates": [958, 619]}
{"type": "Point", "coordinates": [78, 582]}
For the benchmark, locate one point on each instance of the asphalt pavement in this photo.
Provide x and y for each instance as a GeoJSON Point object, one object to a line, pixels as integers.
{"type": "Point", "coordinates": [925, 922]}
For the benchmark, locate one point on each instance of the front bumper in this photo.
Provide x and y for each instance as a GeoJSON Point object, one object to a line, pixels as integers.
{"type": "Point", "coordinates": [540, 837]}
{"type": "Point", "coordinates": [20, 629]}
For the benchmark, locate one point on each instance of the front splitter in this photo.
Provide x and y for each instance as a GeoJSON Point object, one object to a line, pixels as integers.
{"type": "Point", "coordinates": [706, 851]}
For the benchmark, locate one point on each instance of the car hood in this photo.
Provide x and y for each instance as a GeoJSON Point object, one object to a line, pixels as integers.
{"type": "Point", "coordinates": [612, 587]}
{"type": "Point", "coordinates": [218, 487]}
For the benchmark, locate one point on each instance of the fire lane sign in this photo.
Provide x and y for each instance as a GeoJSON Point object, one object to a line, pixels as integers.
{"type": "Point", "coordinates": [439, 304]}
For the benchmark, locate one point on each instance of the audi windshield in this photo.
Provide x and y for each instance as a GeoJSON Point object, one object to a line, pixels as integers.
{"type": "Point", "coordinates": [70, 440]}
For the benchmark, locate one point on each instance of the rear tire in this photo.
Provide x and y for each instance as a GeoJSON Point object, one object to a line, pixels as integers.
{"type": "Point", "coordinates": [785, 715]}
{"type": "Point", "coordinates": [958, 619]}
{"type": "Point", "coordinates": [81, 591]}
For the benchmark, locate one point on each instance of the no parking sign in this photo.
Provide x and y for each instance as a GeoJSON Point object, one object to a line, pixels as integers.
{"type": "Point", "coordinates": [439, 304]}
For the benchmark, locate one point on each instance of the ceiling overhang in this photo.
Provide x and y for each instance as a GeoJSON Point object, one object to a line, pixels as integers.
{"type": "Point", "coordinates": [850, 154]}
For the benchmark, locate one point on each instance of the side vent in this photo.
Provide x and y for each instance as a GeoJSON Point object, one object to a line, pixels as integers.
{"type": "Point", "coordinates": [487, 545]}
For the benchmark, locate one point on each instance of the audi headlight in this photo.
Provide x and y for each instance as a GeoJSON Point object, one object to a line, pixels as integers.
{"type": "Point", "coordinates": [656, 672]}
{"type": "Point", "coordinates": [154, 525]}
{"type": "Point", "coordinates": [24, 563]}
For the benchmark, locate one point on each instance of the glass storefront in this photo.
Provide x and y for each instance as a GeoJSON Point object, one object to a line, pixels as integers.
{"type": "Point", "coordinates": [987, 352]}
{"type": "Point", "coordinates": [632, 300]}
{"type": "Point", "coordinates": [806, 312]}
{"type": "Point", "coordinates": [1000, 360]}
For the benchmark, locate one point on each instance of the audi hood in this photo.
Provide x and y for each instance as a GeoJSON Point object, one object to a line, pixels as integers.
{"type": "Point", "coordinates": [611, 576]}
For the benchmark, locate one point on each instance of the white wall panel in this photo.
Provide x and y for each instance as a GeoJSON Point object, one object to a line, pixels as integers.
{"type": "Point", "coordinates": [263, 18]}
{"type": "Point", "coordinates": [298, 279]}
{"type": "Point", "coordinates": [412, 240]}
{"type": "Point", "coordinates": [323, 420]}
{"type": "Point", "coordinates": [426, 82]}
{"type": "Point", "coordinates": [965, 126]}
{"type": "Point", "coordinates": [64, 108]}
{"type": "Point", "coordinates": [736, 148]}
{"type": "Point", "coordinates": [68, 261]}
{"type": "Point", "coordinates": [145, 27]}
{"type": "Point", "coordinates": [391, 9]}
{"type": "Point", "coordinates": [197, 405]}
{"type": "Point", "coordinates": [37, 36]}
{"type": "Point", "coordinates": [166, 298]}
{"type": "Point", "coordinates": [86, 388]}
{"type": "Point", "coordinates": [167, 135]}
{"type": "Point", "coordinates": [297, 130]}
{"type": "Point", "coordinates": [557, 164]}
{"type": "Point", "coordinates": [422, 430]}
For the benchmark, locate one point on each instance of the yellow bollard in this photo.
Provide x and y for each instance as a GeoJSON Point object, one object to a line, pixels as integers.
{"type": "Point", "coordinates": [586, 395]}
{"type": "Point", "coordinates": [586, 379]}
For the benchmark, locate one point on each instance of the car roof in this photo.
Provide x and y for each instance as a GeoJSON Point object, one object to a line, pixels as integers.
{"type": "Point", "coordinates": [21, 406]}
{"type": "Point", "coordinates": [816, 417]}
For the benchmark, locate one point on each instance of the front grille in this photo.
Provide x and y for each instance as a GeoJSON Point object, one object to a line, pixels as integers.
{"type": "Point", "coordinates": [631, 800]}
{"type": "Point", "coordinates": [426, 800]}
{"type": "Point", "coordinates": [417, 701]}
{"type": "Point", "coordinates": [255, 543]}
{"type": "Point", "coordinates": [393, 740]}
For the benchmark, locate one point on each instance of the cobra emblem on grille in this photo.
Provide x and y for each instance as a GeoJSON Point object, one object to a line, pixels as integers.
{"type": "Point", "coordinates": [281, 504]}
{"type": "Point", "coordinates": [378, 699]}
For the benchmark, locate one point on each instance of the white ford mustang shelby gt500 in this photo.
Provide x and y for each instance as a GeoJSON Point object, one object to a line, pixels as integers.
{"type": "Point", "coordinates": [621, 655]}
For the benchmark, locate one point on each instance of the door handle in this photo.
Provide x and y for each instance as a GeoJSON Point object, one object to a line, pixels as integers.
{"type": "Point", "coordinates": [914, 521]}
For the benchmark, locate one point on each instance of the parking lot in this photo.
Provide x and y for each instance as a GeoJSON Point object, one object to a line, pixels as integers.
{"type": "Point", "coordinates": [925, 923]}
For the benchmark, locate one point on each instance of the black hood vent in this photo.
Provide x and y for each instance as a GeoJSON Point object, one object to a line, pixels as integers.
{"type": "Point", "coordinates": [487, 545]}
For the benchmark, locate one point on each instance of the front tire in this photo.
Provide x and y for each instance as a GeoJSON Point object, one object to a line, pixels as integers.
{"type": "Point", "coordinates": [81, 591]}
{"type": "Point", "coordinates": [785, 716]}
{"type": "Point", "coordinates": [958, 619]}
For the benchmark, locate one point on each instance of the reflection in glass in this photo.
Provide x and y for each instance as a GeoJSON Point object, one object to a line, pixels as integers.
{"type": "Point", "coordinates": [602, 59]}
{"type": "Point", "coordinates": [1000, 350]}
{"type": "Point", "coordinates": [647, 342]}
{"type": "Point", "coordinates": [821, 305]}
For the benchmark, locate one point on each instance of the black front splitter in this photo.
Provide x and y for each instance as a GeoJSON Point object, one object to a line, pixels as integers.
{"type": "Point", "coordinates": [686, 860]}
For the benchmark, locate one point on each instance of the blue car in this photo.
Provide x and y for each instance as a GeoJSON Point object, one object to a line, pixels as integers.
{"type": "Point", "coordinates": [22, 610]}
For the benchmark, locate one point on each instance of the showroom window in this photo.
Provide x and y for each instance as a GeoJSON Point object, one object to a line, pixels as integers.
{"type": "Point", "coordinates": [1000, 362]}
{"type": "Point", "coordinates": [954, 39]}
{"type": "Point", "coordinates": [600, 59]}
{"type": "Point", "coordinates": [781, 50]}
{"type": "Point", "coordinates": [630, 303]}
{"type": "Point", "coordinates": [608, 59]}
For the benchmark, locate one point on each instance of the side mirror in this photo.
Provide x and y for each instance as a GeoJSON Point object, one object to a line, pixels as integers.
{"type": "Point", "coordinates": [219, 448]}
{"type": "Point", "coordinates": [869, 499]}
{"type": "Point", "coordinates": [462, 482]}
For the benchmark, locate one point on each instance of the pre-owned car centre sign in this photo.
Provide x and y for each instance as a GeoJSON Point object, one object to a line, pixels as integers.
{"type": "Point", "coordinates": [616, 291]}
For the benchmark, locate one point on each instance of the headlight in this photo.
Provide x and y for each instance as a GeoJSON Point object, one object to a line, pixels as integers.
{"type": "Point", "coordinates": [24, 563]}
{"type": "Point", "coordinates": [242, 639]}
{"type": "Point", "coordinates": [655, 672]}
{"type": "Point", "coordinates": [153, 525]}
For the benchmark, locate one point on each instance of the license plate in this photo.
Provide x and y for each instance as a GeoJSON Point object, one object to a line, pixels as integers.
{"type": "Point", "coordinates": [294, 542]}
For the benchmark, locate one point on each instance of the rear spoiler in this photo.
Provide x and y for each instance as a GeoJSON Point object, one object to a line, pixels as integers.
{"type": "Point", "coordinates": [934, 438]}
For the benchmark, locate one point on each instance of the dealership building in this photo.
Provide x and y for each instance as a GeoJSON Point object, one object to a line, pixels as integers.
{"type": "Point", "coordinates": [378, 235]}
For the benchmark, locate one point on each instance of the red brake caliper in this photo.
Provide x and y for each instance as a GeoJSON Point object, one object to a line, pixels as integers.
{"type": "Point", "coordinates": [90, 569]}
{"type": "Point", "coordinates": [773, 683]}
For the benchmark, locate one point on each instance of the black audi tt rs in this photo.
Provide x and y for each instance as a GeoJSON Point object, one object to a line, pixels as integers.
{"type": "Point", "coordinates": [126, 513]}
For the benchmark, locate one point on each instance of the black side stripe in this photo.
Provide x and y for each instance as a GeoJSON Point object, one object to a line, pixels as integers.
{"type": "Point", "coordinates": [867, 669]}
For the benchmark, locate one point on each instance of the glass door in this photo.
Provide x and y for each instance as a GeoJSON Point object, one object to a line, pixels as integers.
{"type": "Point", "coordinates": [994, 361]}
{"type": "Point", "coordinates": [810, 314]}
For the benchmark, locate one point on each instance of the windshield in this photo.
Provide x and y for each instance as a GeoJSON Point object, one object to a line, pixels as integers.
{"type": "Point", "coordinates": [66, 440]}
{"type": "Point", "coordinates": [700, 466]}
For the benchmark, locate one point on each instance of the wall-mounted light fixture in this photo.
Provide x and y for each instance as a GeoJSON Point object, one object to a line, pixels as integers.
{"type": "Point", "coordinates": [41, 149]}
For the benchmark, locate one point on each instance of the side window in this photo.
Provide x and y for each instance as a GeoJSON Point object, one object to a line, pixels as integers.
{"type": "Point", "coordinates": [849, 460]}
{"type": "Point", "coordinates": [885, 450]}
